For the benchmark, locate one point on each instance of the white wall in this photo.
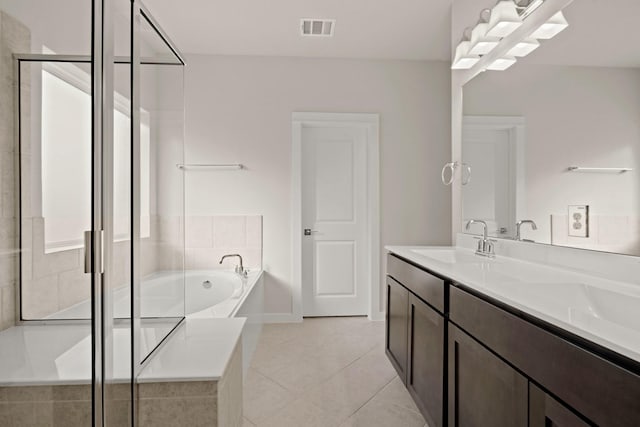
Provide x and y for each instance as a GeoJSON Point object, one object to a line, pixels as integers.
{"type": "Point", "coordinates": [238, 110]}
{"type": "Point", "coordinates": [575, 116]}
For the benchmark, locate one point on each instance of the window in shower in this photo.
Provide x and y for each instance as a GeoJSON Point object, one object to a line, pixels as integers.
{"type": "Point", "coordinates": [66, 150]}
{"type": "Point", "coordinates": [56, 193]}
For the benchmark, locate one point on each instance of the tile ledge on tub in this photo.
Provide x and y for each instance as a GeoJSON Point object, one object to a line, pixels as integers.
{"type": "Point", "coordinates": [199, 351]}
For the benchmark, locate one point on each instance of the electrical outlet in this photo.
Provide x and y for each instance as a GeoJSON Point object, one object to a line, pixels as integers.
{"type": "Point", "coordinates": [579, 221]}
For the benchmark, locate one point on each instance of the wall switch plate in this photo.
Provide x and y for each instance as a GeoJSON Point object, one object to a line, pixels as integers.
{"type": "Point", "coordinates": [579, 221]}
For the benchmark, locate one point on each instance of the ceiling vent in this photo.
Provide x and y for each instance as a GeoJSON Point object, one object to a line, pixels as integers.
{"type": "Point", "coordinates": [317, 27]}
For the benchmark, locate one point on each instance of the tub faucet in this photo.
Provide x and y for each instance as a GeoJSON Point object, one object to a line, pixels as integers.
{"type": "Point", "coordinates": [519, 224]}
{"type": "Point", "coordinates": [485, 246]}
{"type": "Point", "coordinates": [239, 268]}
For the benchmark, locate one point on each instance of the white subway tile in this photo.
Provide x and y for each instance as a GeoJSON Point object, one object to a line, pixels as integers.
{"type": "Point", "coordinates": [199, 232]}
{"type": "Point", "coordinates": [40, 297]}
{"type": "Point", "coordinates": [8, 307]}
{"type": "Point", "coordinates": [229, 231]}
{"type": "Point", "coordinates": [73, 286]}
{"type": "Point", "coordinates": [254, 232]}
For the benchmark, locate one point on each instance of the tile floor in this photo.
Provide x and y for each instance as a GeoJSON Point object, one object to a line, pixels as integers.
{"type": "Point", "coordinates": [326, 372]}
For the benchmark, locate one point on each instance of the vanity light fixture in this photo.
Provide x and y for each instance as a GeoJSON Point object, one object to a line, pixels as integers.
{"type": "Point", "coordinates": [463, 59]}
{"type": "Point", "coordinates": [481, 43]}
{"type": "Point", "coordinates": [502, 64]}
{"type": "Point", "coordinates": [551, 28]}
{"type": "Point", "coordinates": [524, 48]}
{"type": "Point", "coordinates": [527, 7]}
{"type": "Point", "coordinates": [504, 19]}
{"type": "Point", "coordinates": [499, 22]}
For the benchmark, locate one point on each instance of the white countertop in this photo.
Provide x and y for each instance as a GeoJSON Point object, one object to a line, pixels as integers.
{"type": "Point", "coordinates": [603, 311]}
{"type": "Point", "coordinates": [49, 354]}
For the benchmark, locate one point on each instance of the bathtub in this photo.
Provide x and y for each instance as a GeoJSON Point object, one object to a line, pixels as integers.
{"type": "Point", "coordinates": [213, 293]}
{"type": "Point", "coordinates": [207, 294]}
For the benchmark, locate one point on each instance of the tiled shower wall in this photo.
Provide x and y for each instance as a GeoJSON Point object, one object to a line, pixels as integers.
{"type": "Point", "coordinates": [52, 282]}
{"type": "Point", "coordinates": [55, 281]}
{"type": "Point", "coordinates": [208, 238]}
{"type": "Point", "coordinates": [14, 37]}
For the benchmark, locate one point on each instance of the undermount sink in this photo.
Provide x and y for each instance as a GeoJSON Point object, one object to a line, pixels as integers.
{"type": "Point", "coordinates": [585, 303]}
{"type": "Point", "coordinates": [448, 256]}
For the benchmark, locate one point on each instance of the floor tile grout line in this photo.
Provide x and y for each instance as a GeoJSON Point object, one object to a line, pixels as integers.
{"type": "Point", "coordinates": [368, 400]}
{"type": "Point", "coordinates": [372, 397]}
{"type": "Point", "coordinates": [303, 394]}
{"type": "Point", "coordinates": [287, 406]}
{"type": "Point", "coordinates": [369, 350]}
{"type": "Point", "coordinates": [278, 383]}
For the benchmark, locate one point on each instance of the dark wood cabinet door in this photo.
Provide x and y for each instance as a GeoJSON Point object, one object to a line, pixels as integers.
{"type": "Point", "coordinates": [545, 411]}
{"type": "Point", "coordinates": [605, 393]}
{"type": "Point", "coordinates": [396, 327]}
{"type": "Point", "coordinates": [425, 370]}
{"type": "Point", "coordinates": [483, 390]}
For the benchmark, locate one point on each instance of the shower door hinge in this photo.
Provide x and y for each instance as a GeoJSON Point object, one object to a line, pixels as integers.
{"type": "Point", "coordinates": [94, 252]}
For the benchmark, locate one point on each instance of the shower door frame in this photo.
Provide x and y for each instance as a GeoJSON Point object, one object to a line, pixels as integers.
{"type": "Point", "coordinates": [101, 81]}
{"type": "Point", "coordinates": [101, 202]}
{"type": "Point", "coordinates": [100, 247]}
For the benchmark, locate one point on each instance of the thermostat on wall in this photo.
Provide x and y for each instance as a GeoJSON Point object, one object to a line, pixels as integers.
{"type": "Point", "coordinates": [579, 221]}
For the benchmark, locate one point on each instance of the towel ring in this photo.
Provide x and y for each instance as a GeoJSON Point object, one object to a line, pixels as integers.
{"type": "Point", "coordinates": [466, 167]}
{"type": "Point", "coordinates": [451, 166]}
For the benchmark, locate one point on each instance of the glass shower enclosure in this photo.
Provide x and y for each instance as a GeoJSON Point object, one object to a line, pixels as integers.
{"type": "Point", "coordinates": [92, 207]}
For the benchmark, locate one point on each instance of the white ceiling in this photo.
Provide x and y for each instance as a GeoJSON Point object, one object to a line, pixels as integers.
{"type": "Point", "coordinates": [601, 32]}
{"type": "Point", "coordinates": [381, 29]}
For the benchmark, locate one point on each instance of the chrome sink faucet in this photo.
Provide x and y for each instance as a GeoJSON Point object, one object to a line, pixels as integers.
{"type": "Point", "coordinates": [239, 268]}
{"type": "Point", "coordinates": [520, 223]}
{"type": "Point", "coordinates": [485, 246]}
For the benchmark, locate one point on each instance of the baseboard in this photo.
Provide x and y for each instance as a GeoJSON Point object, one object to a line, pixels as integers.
{"type": "Point", "coordinates": [281, 318]}
{"type": "Point", "coordinates": [377, 316]}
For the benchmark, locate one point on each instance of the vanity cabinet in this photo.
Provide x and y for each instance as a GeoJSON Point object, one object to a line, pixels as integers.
{"type": "Point", "coordinates": [397, 324]}
{"type": "Point", "coordinates": [470, 360]}
{"type": "Point", "coordinates": [599, 391]}
{"type": "Point", "coordinates": [416, 329]}
{"type": "Point", "coordinates": [483, 390]}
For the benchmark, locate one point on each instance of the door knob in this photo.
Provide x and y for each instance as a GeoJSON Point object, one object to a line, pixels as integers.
{"type": "Point", "coordinates": [309, 232]}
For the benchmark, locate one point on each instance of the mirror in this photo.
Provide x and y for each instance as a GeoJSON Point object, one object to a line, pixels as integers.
{"type": "Point", "coordinates": [555, 139]}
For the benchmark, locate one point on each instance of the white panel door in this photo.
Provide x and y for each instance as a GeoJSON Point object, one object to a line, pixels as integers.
{"type": "Point", "coordinates": [334, 215]}
{"type": "Point", "coordinates": [489, 196]}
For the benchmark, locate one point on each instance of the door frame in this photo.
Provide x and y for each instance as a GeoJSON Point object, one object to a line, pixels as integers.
{"type": "Point", "coordinates": [371, 123]}
{"type": "Point", "coordinates": [515, 126]}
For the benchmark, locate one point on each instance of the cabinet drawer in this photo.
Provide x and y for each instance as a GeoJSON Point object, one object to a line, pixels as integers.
{"type": "Point", "coordinates": [426, 286]}
{"type": "Point", "coordinates": [603, 392]}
